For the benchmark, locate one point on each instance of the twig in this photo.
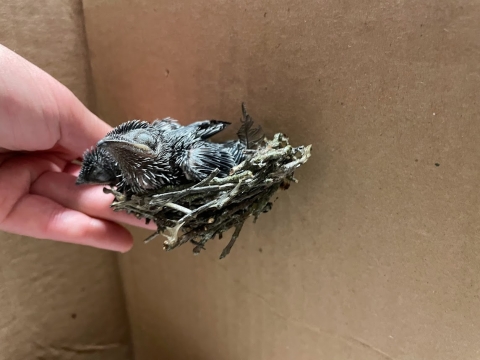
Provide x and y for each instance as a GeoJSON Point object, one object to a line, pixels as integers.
{"type": "Point", "coordinates": [228, 197]}
{"type": "Point", "coordinates": [230, 244]}
{"type": "Point", "coordinates": [151, 237]}
{"type": "Point", "coordinates": [178, 207]}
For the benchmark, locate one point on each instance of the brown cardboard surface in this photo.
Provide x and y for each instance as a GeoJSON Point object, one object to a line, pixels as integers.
{"type": "Point", "coordinates": [57, 301]}
{"type": "Point", "coordinates": [375, 253]}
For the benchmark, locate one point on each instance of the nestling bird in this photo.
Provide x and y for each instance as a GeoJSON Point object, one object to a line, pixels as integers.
{"type": "Point", "coordinates": [150, 157]}
{"type": "Point", "coordinates": [100, 168]}
{"type": "Point", "coordinates": [146, 157]}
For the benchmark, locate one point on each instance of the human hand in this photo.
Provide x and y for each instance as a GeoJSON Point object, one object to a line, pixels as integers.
{"type": "Point", "coordinates": [43, 127]}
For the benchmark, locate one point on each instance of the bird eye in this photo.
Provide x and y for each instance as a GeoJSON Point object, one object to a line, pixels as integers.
{"type": "Point", "coordinates": [146, 139]}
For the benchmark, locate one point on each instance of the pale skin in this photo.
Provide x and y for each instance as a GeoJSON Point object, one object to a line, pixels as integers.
{"type": "Point", "coordinates": [43, 127]}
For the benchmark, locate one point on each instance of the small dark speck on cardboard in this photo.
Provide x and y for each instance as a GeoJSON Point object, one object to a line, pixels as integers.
{"type": "Point", "coordinates": [416, 160]}
{"type": "Point", "coordinates": [260, 250]}
{"type": "Point", "coordinates": [74, 316]}
{"type": "Point", "coordinates": [266, 88]}
{"type": "Point", "coordinates": [167, 72]}
{"type": "Point", "coordinates": [288, 9]}
{"type": "Point", "coordinates": [264, 14]}
{"type": "Point", "coordinates": [341, 103]}
{"type": "Point", "coordinates": [437, 164]}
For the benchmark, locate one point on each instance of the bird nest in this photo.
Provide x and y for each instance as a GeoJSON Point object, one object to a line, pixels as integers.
{"type": "Point", "coordinates": [196, 213]}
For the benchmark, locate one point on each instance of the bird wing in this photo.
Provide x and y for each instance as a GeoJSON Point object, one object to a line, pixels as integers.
{"type": "Point", "coordinates": [237, 149]}
{"type": "Point", "coordinates": [200, 161]}
{"type": "Point", "coordinates": [201, 130]}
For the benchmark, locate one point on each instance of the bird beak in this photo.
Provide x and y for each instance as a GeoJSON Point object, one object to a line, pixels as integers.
{"type": "Point", "coordinates": [106, 143]}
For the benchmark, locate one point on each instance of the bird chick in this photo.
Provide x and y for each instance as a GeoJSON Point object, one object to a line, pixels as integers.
{"type": "Point", "coordinates": [151, 156]}
{"type": "Point", "coordinates": [98, 167]}
{"type": "Point", "coordinates": [136, 148]}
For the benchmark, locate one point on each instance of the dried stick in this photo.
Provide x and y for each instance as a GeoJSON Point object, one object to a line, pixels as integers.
{"type": "Point", "coordinates": [230, 244]}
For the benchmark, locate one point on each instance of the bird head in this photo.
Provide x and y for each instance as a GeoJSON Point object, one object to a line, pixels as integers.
{"type": "Point", "coordinates": [130, 142]}
{"type": "Point", "coordinates": [98, 167]}
{"type": "Point", "coordinates": [134, 146]}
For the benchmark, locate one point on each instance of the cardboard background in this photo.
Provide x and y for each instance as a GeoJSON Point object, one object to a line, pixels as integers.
{"type": "Point", "coordinates": [375, 253]}
{"type": "Point", "coordinates": [57, 301]}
